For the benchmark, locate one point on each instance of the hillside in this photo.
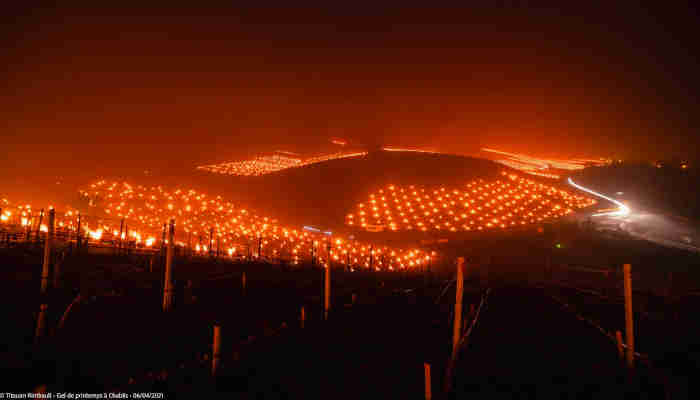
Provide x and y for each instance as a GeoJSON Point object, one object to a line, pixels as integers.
{"type": "Point", "coordinates": [321, 194]}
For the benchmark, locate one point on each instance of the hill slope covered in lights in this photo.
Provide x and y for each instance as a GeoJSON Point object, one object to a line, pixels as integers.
{"type": "Point", "coordinates": [509, 202]}
{"type": "Point", "coordinates": [323, 194]}
{"type": "Point", "coordinates": [134, 215]}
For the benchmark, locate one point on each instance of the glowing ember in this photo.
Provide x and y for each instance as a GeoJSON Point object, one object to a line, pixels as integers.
{"type": "Point", "coordinates": [97, 234]}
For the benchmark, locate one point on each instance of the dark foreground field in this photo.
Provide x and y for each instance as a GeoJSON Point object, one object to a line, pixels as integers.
{"type": "Point", "coordinates": [536, 335]}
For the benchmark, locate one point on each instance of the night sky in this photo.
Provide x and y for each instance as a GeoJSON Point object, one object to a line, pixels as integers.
{"type": "Point", "coordinates": [99, 90]}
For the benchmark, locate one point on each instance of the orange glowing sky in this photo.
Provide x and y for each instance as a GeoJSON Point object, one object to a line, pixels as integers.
{"type": "Point", "coordinates": [113, 90]}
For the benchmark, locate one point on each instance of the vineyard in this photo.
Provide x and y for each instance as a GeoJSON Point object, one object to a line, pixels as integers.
{"type": "Point", "coordinates": [253, 329]}
{"type": "Point", "coordinates": [479, 205]}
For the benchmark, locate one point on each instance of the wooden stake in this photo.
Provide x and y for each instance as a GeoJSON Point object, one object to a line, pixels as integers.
{"type": "Point", "coordinates": [327, 290]}
{"type": "Point", "coordinates": [168, 285]}
{"type": "Point", "coordinates": [47, 253]}
{"type": "Point", "coordinates": [243, 283]}
{"type": "Point", "coordinates": [303, 317]}
{"type": "Point", "coordinates": [457, 327]}
{"type": "Point", "coordinates": [77, 234]}
{"type": "Point", "coordinates": [62, 321]}
{"type": "Point", "coordinates": [121, 229]}
{"type": "Point", "coordinates": [38, 226]}
{"type": "Point", "coordinates": [211, 241]}
{"type": "Point", "coordinates": [629, 317]}
{"type": "Point", "coordinates": [428, 390]}
{"type": "Point", "coordinates": [28, 234]}
{"type": "Point", "coordinates": [40, 323]}
{"type": "Point", "coordinates": [162, 243]}
{"type": "Point", "coordinates": [216, 352]}
{"type": "Point", "coordinates": [620, 348]}
{"type": "Point", "coordinates": [126, 238]}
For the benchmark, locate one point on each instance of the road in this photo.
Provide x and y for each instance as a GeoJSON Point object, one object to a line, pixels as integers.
{"type": "Point", "coordinates": [647, 224]}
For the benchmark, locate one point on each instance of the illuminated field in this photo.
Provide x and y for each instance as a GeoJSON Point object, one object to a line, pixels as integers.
{"type": "Point", "coordinates": [237, 231]}
{"type": "Point", "coordinates": [398, 149]}
{"type": "Point", "coordinates": [543, 167]}
{"type": "Point", "coordinates": [263, 165]}
{"type": "Point", "coordinates": [479, 205]}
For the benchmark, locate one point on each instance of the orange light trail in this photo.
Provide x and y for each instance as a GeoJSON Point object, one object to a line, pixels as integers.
{"type": "Point", "coordinates": [409, 150]}
{"type": "Point", "coordinates": [543, 166]}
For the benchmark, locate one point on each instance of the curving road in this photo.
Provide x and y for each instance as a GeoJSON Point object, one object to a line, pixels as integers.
{"type": "Point", "coordinates": [650, 225]}
{"type": "Point", "coordinates": [621, 212]}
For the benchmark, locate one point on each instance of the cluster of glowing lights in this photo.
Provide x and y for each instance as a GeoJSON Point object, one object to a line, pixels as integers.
{"type": "Point", "coordinates": [5, 214]}
{"type": "Point", "coordinates": [542, 166]}
{"type": "Point", "coordinates": [333, 156]}
{"type": "Point", "coordinates": [258, 166]}
{"type": "Point", "coordinates": [237, 231]}
{"type": "Point", "coordinates": [33, 219]}
{"type": "Point", "coordinates": [479, 205]}
{"type": "Point", "coordinates": [268, 164]}
{"type": "Point", "coordinates": [18, 214]}
{"type": "Point", "coordinates": [27, 218]}
{"type": "Point", "coordinates": [398, 149]}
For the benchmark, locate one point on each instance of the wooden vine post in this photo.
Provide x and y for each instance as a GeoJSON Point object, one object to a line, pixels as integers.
{"type": "Point", "coordinates": [168, 284]}
{"type": "Point", "coordinates": [629, 317]}
{"type": "Point", "coordinates": [47, 252]}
